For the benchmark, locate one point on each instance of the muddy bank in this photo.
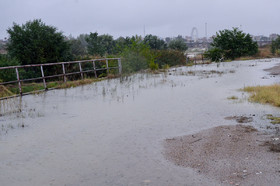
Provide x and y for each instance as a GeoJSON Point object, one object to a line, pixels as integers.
{"type": "Point", "coordinates": [274, 70]}
{"type": "Point", "coordinates": [235, 155]}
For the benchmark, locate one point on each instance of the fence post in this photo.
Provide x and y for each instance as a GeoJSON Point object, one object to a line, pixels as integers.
{"type": "Point", "coordinates": [19, 84]}
{"type": "Point", "coordinates": [107, 66]}
{"type": "Point", "coordinates": [63, 70]}
{"type": "Point", "coordinates": [93, 63]}
{"type": "Point", "coordinates": [43, 76]}
{"type": "Point", "coordinates": [120, 66]}
{"type": "Point", "coordinates": [81, 70]}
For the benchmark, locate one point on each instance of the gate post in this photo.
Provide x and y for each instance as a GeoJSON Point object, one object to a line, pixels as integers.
{"type": "Point", "coordinates": [43, 76]}
{"type": "Point", "coordinates": [63, 70]}
{"type": "Point", "coordinates": [19, 84]}
{"type": "Point", "coordinates": [81, 70]}
{"type": "Point", "coordinates": [107, 67]}
{"type": "Point", "coordinates": [120, 66]}
{"type": "Point", "coordinates": [93, 63]}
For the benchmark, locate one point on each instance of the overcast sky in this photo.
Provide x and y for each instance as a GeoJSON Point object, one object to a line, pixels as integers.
{"type": "Point", "coordinates": [160, 17]}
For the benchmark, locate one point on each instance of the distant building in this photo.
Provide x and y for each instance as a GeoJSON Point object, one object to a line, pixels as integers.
{"type": "Point", "coordinates": [273, 36]}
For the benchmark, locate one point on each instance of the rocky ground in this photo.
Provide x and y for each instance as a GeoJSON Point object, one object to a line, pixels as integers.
{"type": "Point", "coordinates": [233, 155]}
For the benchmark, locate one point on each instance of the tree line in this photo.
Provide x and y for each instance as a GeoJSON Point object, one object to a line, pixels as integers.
{"type": "Point", "coordinates": [35, 42]}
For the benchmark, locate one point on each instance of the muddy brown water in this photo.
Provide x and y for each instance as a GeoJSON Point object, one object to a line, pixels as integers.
{"type": "Point", "coordinates": [112, 132]}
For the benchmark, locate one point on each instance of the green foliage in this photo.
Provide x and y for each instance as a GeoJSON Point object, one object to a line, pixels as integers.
{"type": "Point", "coordinates": [275, 46]}
{"type": "Point", "coordinates": [231, 44]}
{"type": "Point", "coordinates": [9, 74]}
{"type": "Point", "coordinates": [78, 47]}
{"type": "Point", "coordinates": [154, 42]}
{"type": "Point", "coordinates": [165, 67]}
{"type": "Point", "coordinates": [153, 66]}
{"type": "Point", "coordinates": [214, 54]}
{"type": "Point", "coordinates": [121, 43]}
{"type": "Point", "coordinates": [170, 58]}
{"type": "Point", "coordinates": [100, 45]}
{"type": "Point", "coordinates": [35, 42]}
{"type": "Point", "coordinates": [136, 55]}
{"type": "Point", "coordinates": [178, 44]}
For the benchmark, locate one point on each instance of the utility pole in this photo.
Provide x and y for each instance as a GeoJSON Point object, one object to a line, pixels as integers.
{"type": "Point", "coordinates": [206, 30]}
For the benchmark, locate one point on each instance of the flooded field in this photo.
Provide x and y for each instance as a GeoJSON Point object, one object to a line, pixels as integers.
{"type": "Point", "coordinates": [112, 132]}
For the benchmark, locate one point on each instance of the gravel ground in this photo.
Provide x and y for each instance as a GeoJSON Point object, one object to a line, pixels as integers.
{"type": "Point", "coordinates": [233, 155]}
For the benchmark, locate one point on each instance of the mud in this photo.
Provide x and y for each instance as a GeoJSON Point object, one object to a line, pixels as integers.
{"type": "Point", "coordinates": [274, 70]}
{"type": "Point", "coordinates": [240, 119]}
{"type": "Point", "coordinates": [234, 155]}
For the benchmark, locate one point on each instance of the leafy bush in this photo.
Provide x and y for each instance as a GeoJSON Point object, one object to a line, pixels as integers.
{"type": "Point", "coordinates": [214, 54]}
{"type": "Point", "coordinates": [136, 56]}
{"type": "Point", "coordinates": [178, 44]}
{"type": "Point", "coordinates": [231, 44]}
{"type": "Point", "coordinates": [9, 74]}
{"type": "Point", "coordinates": [169, 57]}
{"type": "Point", "coordinates": [153, 65]}
{"type": "Point", "coordinates": [275, 46]}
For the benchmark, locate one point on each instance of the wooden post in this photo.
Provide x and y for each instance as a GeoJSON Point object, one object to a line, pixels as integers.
{"type": "Point", "coordinates": [43, 76]}
{"type": "Point", "coordinates": [63, 70]}
{"type": "Point", "coordinates": [107, 66]}
{"type": "Point", "coordinates": [19, 84]}
{"type": "Point", "coordinates": [120, 66]}
{"type": "Point", "coordinates": [81, 70]}
{"type": "Point", "coordinates": [93, 63]}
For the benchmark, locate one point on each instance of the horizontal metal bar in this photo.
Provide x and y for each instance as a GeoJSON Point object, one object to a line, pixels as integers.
{"type": "Point", "coordinates": [58, 63]}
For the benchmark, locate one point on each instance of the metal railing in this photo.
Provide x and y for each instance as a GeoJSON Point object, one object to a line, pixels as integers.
{"type": "Point", "coordinates": [64, 73]}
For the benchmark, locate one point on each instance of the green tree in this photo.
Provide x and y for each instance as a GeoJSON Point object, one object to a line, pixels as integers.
{"type": "Point", "coordinates": [121, 43]}
{"type": "Point", "coordinates": [100, 45]}
{"type": "Point", "coordinates": [178, 44]}
{"type": "Point", "coordinates": [136, 55]}
{"type": "Point", "coordinates": [275, 46]}
{"type": "Point", "coordinates": [77, 48]}
{"type": "Point", "coordinates": [231, 44]}
{"type": "Point", "coordinates": [155, 42]}
{"type": "Point", "coordinates": [35, 42]}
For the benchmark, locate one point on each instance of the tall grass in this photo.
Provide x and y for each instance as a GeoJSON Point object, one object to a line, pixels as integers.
{"type": "Point", "coordinates": [265, 94]}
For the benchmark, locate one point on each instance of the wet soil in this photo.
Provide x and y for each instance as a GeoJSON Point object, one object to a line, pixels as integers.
{"type": "Point", "coordinates": [240, 119]}
{"type": "Point", "coordinates": [234, 155]}
{"type": "Point", "coordinates": [274, 70]}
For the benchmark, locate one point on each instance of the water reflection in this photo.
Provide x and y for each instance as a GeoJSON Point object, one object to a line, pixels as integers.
{"type": "Point", "coordinates": [110, 132]}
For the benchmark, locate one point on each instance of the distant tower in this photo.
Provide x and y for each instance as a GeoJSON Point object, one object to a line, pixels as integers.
{"type": "Point", "coordinates": [206, 31]}
{"type": "Point", "coordinates": [194, 34]}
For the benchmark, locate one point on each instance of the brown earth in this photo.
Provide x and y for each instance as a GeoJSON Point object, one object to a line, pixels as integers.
{"type": "Point", "coordinates": [274, 70]}
{"type": "Point", "coordinates": [233, 155]}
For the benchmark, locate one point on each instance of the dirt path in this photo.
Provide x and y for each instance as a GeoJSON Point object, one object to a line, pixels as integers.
{"type": "Point", "coordinates": [234, 155]}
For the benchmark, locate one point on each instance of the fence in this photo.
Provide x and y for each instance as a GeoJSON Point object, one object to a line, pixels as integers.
{"type": "Point", "coordinates": [64, 74]}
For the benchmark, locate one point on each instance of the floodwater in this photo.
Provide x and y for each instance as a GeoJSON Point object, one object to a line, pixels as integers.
{"type": "Point", "coordinates": [112, 132]}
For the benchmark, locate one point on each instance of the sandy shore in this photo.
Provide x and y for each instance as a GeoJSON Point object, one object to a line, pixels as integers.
{"type": "Point", "coordinates": [234, 155]}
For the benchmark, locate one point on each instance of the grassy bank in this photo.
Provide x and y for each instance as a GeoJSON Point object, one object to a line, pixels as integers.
{"type": "Point", "coordinates": [265, 94]}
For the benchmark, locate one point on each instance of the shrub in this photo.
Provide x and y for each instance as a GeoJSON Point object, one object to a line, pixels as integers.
{"type": "Point", "coordinates": [231, 44]}
{"type": "Point", "coordinates": [170, 58]}
{"type": "Point", "coordinates": [9, 74]}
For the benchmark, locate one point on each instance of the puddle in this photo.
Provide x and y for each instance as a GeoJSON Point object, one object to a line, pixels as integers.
{"type": "Point", "coordinates": [111, 132]}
